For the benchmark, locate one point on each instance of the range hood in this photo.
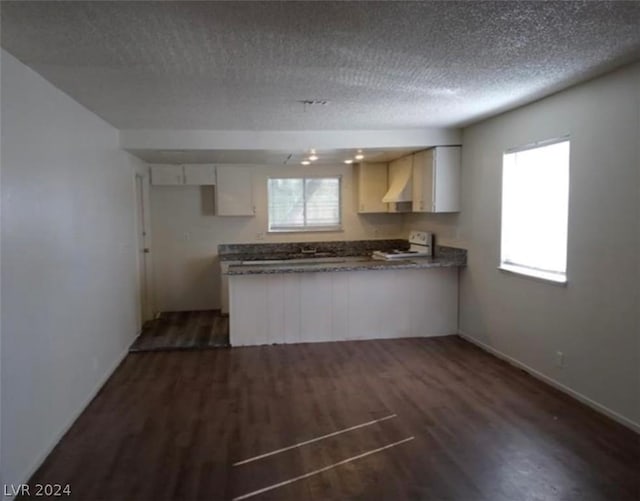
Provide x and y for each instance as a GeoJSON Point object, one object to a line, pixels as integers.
{"type": "Point", "coordinates": [400, 181]}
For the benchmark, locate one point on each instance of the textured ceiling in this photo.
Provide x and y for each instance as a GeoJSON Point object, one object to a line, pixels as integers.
{"type": "Point", "coordinates": [382, 65]}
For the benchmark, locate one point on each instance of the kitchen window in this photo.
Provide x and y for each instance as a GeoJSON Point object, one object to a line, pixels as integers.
{"type": "Point", "coordinates": [305, 204]}
{"type": "Point", "coordinates": [535, 210]}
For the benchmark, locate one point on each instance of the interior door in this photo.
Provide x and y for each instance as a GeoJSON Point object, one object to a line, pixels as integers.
{"type": "Point", "coordinates": [142, 248]}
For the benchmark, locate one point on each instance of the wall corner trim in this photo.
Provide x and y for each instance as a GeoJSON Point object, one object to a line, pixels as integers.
{"type": "Point", "coordinates": [632, 425]}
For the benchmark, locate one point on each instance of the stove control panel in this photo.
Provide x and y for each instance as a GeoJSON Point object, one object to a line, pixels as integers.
{"type": "Point", "coordinates": [421, 238]}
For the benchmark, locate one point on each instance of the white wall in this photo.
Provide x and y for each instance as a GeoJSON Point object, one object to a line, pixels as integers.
{"type": "Point", "coordinates": [594, 320]}
{"type": "Point", "coordinates": [69, 299]}
{"type": "Point", "coordinates": [186, 233]}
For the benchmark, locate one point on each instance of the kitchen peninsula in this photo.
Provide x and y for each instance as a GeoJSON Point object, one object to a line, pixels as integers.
{"type": "Point", "coordinates": [334, 291]}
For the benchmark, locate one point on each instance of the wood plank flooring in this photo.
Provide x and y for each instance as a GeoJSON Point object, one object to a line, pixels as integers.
{"type": "Point", "coordinates": [170, 425]}
{"type": "Point", "coordinates": [184, 330]}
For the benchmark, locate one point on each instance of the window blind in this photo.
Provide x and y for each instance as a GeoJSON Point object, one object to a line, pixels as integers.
{"type": "Point", "coordinates": [299, 204]}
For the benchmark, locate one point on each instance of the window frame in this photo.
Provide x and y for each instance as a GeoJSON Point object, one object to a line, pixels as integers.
{"type": "Point", "coordinates": [307, 229]}
{"type": "Point", "coordinates": [521, 270]}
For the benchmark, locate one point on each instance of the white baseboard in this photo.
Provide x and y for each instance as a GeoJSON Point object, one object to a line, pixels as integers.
{"type": "Point", "coordinates": [552, 382]}
{"type": "Point", "coordinates": [72, 419]}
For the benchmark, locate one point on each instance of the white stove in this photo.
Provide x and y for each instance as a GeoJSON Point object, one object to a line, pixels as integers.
{"type": "Point", "coordinates": [420, 245]}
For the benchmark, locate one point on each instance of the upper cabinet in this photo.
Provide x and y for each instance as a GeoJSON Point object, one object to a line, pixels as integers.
{"type": "Point", "coordinates": [183, 175]}
{"type": "Point", "coordinates": [371, 182]}
{"type": "Point", "coordinates": [167, 175]}
{"type": "Point", "coordinates": [199, 175]}
{"type": "Point", "coordinates": [436, 180]}
{"type": "Point", "coordinates": [234, 191]}
{"type": "Point", "coordinates": [234, 187]}
{"type": "Point", "coordinates": [427, 181]}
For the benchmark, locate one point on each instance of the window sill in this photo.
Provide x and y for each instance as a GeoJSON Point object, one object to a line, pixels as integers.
{"type": "Point", "coordinates": [542, 276]}
{"type": "Point", "coordinates": [307, 230]}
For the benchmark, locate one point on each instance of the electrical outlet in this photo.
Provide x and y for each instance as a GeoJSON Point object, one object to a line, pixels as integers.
{"type": "Point", "coordinates": [559, 359]}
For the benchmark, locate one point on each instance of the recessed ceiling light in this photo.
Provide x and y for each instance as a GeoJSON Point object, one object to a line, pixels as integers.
{"type": "Point", "coordinates": [313, 157]}
{"type": "Point", "coordinates": [348, 161]}
{"type": "Point", "coordinates": [359, 156]}
{"type": "Point", "coordinates": [305, 162]}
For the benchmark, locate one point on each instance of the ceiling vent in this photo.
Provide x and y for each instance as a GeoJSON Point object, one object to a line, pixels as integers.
{"type": "Point", "coordinates": [314, 102]}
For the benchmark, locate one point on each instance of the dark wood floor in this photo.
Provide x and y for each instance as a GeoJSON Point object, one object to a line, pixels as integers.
{"type": "Point", "coordinates": [170, 425]}
{"type": "Point", "coordinates": [184, 330]}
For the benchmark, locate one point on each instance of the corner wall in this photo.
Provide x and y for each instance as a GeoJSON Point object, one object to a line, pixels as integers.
{"type": "Point", "coordinates": [69, 294]}
{"type": "Point", "coordinates": [594, 320]}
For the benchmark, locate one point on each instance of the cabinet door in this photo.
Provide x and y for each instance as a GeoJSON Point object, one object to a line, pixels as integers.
{"type": "Point", "coordinates": [371, 179]}
{"type": "Point", "coordinates": [436, 180]}
{"type": "Point", "coordinates": [446, 179]}
{"type": "Point", "coordinates": [167, 175]}
{"type": "Point", "coordinates": [199, 174]}
{"type": "Point", "coordinates": [423, 188]}
{"type": "Point", "coordinates": [234, 191]}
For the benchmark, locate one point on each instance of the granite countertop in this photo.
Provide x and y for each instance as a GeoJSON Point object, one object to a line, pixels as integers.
{"type": "Point", "coordinates": [310, 257]}
{"type": "Point", "coordinates": [295, 250]}
{"type": "Point", "coordinates": [363, 264]}
{"type": "Point", "coordinates": [242, 257]}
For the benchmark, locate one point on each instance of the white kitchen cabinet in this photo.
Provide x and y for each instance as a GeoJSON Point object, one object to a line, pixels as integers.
{"type": "Point", "coordinates": [372, 183]}
{"type": "Point", "coordinates": [224, 285]}
{"type": "Point", "coordinates": [167, 175]}
{"type": "Point", "coordinates": [199, 174]}
{"type": "Point", "coordinates": [181, 175]}
{"type": "Point", "coordinates": [234, 191]}
{"type": "Point", "coordinates": [319, 307]}
{"type": "Point", "coordinates": [436, 180]}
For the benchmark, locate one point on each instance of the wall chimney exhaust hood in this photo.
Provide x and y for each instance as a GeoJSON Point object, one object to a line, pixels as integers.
{"type": "Point", "coordinates": [400, 181]}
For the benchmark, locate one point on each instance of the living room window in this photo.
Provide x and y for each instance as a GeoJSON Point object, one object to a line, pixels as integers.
{"type": "Point", "coordinates": [535, 210]}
